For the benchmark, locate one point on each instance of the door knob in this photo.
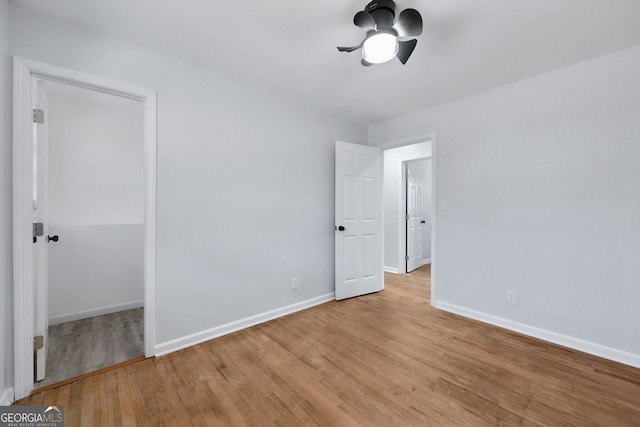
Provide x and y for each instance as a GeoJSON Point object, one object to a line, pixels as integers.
{"type": "Point", "coordinates": [53, 238]}
{"type": "Point", "coordinates": [423, 222]}
{"type": "Point", "coordinates": [341, 228]}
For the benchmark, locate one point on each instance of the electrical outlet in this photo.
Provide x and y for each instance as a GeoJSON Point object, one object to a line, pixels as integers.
{"type": "Point", "coordinates": [511, 297]}
{"type": "Point", "coordinates": [294, 283]}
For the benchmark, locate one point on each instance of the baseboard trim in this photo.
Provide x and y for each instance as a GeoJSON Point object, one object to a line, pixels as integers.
{"type": "Point", "coordinates": [391, 270]}
{"type": "Point", "coordinates": [426, 261]}
{"type": "Point", "coordinates": [545, 335]}
{"type": "Point", "coordinates": [218, 331]}
{"type": "Point", "coordinates": [7, 397]}
{"type": "Point", "coordinates": [54, 320]}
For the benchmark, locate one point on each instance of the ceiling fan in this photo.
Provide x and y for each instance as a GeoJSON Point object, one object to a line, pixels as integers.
{"type": "Point", "coordinates": [381, 42]}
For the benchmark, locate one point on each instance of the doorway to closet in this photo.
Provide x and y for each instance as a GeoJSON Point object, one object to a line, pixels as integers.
{"type": "Point", "coordinates": [84, 224]}
{"type": "Point", "coordinates": [88, 196]}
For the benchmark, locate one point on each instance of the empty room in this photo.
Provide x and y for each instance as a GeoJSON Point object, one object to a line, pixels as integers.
{"type": "Point", "coordinates": [386, 213]}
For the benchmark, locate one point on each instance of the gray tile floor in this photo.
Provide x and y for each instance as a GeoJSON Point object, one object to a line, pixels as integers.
{"type": "Point", "coordinates": [86, 345]}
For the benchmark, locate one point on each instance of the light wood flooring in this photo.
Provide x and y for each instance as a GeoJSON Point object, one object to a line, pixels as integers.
{"type": "Point", "coordinates": [88, 345]}
{"type": "Point", "coordinates": [385, 359]}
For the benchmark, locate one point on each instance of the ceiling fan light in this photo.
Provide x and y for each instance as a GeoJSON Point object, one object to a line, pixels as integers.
{"type": "Point", "coordinates": [379, 48]}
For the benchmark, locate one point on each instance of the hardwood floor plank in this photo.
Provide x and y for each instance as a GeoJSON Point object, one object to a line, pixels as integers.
{"type": "Point", "coordinates": [385, 359]}
{"type": "Point", "coordinates": [289, 385]}
{"type": "Point", "coordinates": [149, 394]}
{"type": "Point", "coordinates": [173, 410]}
{"type": "Point", "coordinates": [86, 411]}
{"type": "Point", "coordinates": [127, 417]}
{"type": "Point", "coordinates": [73, 411]}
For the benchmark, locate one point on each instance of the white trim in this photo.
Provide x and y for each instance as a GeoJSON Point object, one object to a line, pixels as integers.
{"type": "Point", "coordinates": [543, 334]}
{"type": "Point", "coordinates": [23, 293]}
{"type": "Point", "coordinates": [83, 80]}
{"type": "Point", "coordinates": [426, 261]}
{"type": "Point", "coordinates": [100, 311]}
{"type": "Point", "coordinates": [209, 334]}
{"type": "Point", "coordinates": [23, 71]}
{"type": "Point", "coordinates": [150, 168]}
{"type": "Point", "coordinates": [408, 141]}
{"type": "Point", "coordinates": [402, 219]}
{"type": "Point", "coordinates": [434, 211]}
{"type": "Point", "coordinates": [391, 270]}
{"type": "Point", "coordinates": [6, 399]}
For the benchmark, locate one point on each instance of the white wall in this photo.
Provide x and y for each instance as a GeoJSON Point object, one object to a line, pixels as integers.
{"type": "Point", "coordinates": [6, 291]}
{"type": "Point", "coordinates": [392, 195]}
{"type": "Point", "coordinates": [542, 183]}
{"type": "Point", "coordinates": [245, 180]}
{"type": "Point", "coordinates": [96, 158]}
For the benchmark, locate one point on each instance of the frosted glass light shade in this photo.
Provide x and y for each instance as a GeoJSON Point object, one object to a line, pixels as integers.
{"type": "Point", "coordinates": [380, 48]}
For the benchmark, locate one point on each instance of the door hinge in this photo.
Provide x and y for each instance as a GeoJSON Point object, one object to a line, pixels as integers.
{"type": "Point", "coordinates": [406, 217]}
{"type": "Point", "coordinates": [38, 342]}
{"type": "Point", "coordinates": [38, 229]}
{"type": "Point", "coordinates": [406, 257]}
{"type": "Point", "coordinates": [38, 116]}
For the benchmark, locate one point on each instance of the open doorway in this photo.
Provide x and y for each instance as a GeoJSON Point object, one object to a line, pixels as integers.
{"type": "Point", "coordinates": [35, 304]}
{"type": "Point", "coordinates": [88, 195]}
{"type": "Point", "coordinates": [401, 247]}
{"type": "Point", "coordinates": [370, 213]}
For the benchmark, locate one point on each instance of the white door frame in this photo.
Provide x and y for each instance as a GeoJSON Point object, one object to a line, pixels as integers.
{"type": "Point", "coordinates": [23, 288]}
{"type": "Point", "coordinates": [429, 137]}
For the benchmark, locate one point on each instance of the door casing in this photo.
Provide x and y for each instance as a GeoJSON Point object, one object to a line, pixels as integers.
{"type": "Point", "coordinates": [23, 261]}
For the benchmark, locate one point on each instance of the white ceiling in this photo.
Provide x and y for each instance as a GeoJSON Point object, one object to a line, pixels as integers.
{"type": "Point", "coordinates": [289, 46]}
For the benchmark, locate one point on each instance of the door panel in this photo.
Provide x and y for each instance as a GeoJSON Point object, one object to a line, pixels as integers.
{"type": "Point", "coordinates": [369, 199]}
{"type": "Point", "coordinates": [368, 256]}
{"type": "Point", "coordinates": [358, 210]}
{"type": "Point", "coordinates": [350, 198]}
{"type": "Point", "coordinates": [349, 259]}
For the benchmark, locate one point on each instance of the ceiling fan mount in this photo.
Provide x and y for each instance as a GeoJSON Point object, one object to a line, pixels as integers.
{"type": "Point", "coordinates": [383, 30]}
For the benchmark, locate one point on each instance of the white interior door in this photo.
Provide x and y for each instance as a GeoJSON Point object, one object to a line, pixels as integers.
{"type": "Point", "coordinates": [358, 220]}
{"type": "Point", "coordinates": [414, 215]}
{"type": "Point", "coordinates": [40, 215]}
